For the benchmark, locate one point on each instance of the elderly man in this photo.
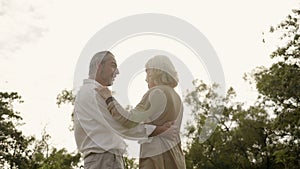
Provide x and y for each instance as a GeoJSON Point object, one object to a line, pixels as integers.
{"type": "Point", "coordinates": [95, 129]}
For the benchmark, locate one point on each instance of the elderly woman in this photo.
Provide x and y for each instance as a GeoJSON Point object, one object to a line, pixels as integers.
{"type": "Point", "coordinates": [159, 105]}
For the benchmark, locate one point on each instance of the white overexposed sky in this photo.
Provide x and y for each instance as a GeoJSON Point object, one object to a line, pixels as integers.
{"type": "Point", "coordinates": [40, 42]}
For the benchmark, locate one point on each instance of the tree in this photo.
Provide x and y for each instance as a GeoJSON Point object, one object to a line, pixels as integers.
{"type": "Point", "coordinates": [240, 139]}
{"type": "Point", "coordinates": [46, 157]}
{"type": "Point", "coordinates": [13, 144]}
{"type": "Point", "coordinates": [20, 151]}
{"type": "Point", "coordinates": [264, 135]}
{"type": "Point", "coordinates": [279, 87]}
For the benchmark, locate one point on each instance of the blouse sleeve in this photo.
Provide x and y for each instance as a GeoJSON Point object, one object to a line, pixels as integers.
{"type": "Point", "coordinates": [152, 105]}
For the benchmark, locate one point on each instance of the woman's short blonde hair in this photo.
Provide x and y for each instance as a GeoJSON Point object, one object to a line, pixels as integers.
{"type": "Point", "coordinates": [162, 71]}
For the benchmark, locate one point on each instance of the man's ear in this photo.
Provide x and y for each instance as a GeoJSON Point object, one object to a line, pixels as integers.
{"type": "Point", "coordinates": [100, 67]}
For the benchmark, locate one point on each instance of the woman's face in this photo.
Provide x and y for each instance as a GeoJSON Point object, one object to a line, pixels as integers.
{"type": "Point", "coordinates": [149, 79]}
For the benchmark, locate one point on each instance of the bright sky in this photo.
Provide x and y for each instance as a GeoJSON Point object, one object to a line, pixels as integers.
{"type": "Point", "coordinates": [40, 42]}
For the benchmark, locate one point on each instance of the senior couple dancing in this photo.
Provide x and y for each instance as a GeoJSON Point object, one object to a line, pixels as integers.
{"type": "Point", "coordinates": [101, 123]}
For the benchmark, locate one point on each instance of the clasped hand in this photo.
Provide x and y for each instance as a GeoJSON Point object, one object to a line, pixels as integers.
{"type": "Point", "coordinates": [104, 92]}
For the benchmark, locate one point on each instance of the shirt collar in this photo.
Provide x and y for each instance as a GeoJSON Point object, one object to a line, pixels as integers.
{"type": "Point", "coordinates": [92, 81]}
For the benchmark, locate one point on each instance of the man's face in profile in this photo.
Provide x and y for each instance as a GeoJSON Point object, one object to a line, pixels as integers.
{"type": "Point", "coordinates": [107, 70]}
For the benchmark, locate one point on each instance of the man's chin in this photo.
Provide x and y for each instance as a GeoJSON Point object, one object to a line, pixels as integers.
{"type": "Point", "coordinates": [110, 83]}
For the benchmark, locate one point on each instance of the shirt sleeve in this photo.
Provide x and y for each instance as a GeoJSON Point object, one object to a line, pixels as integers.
{"type": "Point", "coordinates": [136, 132]}
{"type": "Point", "coordinates": [151, 106]}
{"type": "Point", "coordinates": [149, 129]}
{"type": "Point", "coordinates": [93, 116]}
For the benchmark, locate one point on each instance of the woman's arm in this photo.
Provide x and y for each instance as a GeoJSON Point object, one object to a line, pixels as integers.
{"type": "Point", "coordinates": [152, 105]}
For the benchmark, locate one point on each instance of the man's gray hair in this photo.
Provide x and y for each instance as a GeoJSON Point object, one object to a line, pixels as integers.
{"type": "Point", "coordinates": [98, 58]}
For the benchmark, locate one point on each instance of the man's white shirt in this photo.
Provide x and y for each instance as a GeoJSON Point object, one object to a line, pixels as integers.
{"type": "Point", "coordinates": [95, 129]}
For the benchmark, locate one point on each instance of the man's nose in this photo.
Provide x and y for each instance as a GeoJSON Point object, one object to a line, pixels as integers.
{"type": "Point", "coordinates": [117, 71]}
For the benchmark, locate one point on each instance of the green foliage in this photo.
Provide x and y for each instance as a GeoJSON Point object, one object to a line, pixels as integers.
{"type": "Point", "coordinates": [280, 86]}
{"type": "Point", "coordinates": [289, 36]}
{"type": "Point", "coordinates": [279, 83]}
{"type": "Point", "coordinates": [46, 157]}
{"type": "Point", "coordinates": [13, 144]}
{"type": "Point", "coordinates": [19, 151]}
{"type": "Point", "coordinates": [130, 163]}
{"type": "Point", "coordinates": [265, 135]}
{"type": "Point", "coordinates": [240, 139]}
{"type": "Point", "coordinates": [66, 96]}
